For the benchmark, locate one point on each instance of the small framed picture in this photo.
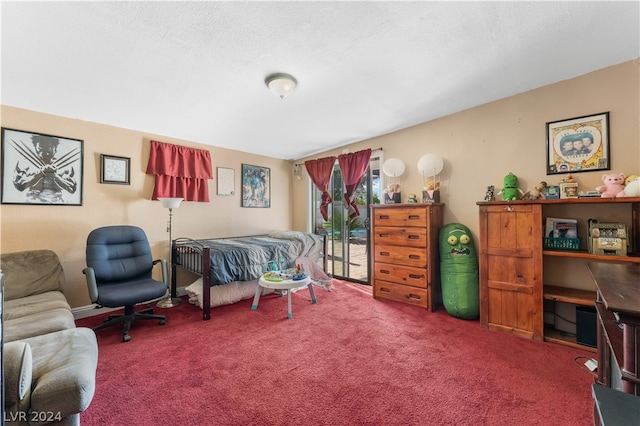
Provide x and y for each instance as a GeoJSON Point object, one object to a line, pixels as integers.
{"type": "Point", "coordinates": [578, 144]}
{"type": "Point", "coordinates": [226, 181]}
{"type": "Point", "coordinates": [115, 169]}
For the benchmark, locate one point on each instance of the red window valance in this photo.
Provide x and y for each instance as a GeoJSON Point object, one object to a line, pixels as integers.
{"type": "Point", "coordinates": [180, 171]}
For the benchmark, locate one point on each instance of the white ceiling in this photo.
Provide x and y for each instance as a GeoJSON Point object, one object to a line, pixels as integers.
{"type": "Point", "coordinates": [196, 70]}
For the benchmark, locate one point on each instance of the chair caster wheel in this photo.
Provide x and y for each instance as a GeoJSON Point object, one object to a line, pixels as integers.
{"type": "Point", "coordinates": [163, 322]}
{"type": "Point", "coordinates": [126, 338]}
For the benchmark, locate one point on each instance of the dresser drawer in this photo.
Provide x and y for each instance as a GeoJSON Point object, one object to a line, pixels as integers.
{"type": "Point", "coordinates": [415, 237]}
{"type": "Point", "coordinates": [403, 217]}
{"type": "Point", "coordinates": [406, 275]}
{"type": "Point", "coordinates": [408, 256]}
{"type": "Point", "coordinates": [401, 293]}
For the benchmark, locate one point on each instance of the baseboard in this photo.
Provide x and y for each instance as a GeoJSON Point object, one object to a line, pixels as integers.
{"type": "Point", "coordinates": [93, 309]}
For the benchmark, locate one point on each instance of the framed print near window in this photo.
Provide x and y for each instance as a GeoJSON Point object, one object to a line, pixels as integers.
{"type": "Point", "coordinates": [226, 181]}
{"type": "Point", "coordinates": [41, 169]}
{"type": "Point", "coordinates": [115, 169]}
{"type": "Point", "coordinates": [578, 144]}
{"type": "Point", "coordinates": [256, 186]}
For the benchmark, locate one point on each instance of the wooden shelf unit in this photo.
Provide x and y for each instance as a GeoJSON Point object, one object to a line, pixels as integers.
{"type": "Point", "coordinates": [583, 254]}
{"type": "Point", "coordinates": [569, 295]}
{"type": "Point", "coordinates": [512, 263]}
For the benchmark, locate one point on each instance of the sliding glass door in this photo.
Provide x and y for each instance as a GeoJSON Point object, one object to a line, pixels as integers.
{"type": "Point", "coordinates": [348, 239]}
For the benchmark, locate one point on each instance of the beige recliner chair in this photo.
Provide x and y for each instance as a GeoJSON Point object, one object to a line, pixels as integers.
{"type": "Point", "coordinates": [49, 363]}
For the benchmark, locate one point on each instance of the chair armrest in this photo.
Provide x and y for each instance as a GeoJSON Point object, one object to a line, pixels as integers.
{"type": "Point", "coordinates": [91, 283]}
{"type": "Point", "coordinates": [18, 371]}
{"type": "Point", "coordinates": [165, 270]}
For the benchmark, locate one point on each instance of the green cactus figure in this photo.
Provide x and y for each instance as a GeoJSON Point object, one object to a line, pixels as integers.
{"type": "Point", "coordinates": [510, 191]}
{"type": "Point", "coordinates": [459, 274]}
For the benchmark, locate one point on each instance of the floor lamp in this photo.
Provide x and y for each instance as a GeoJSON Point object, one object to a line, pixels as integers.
{"type": "Point", "coordinates": [170, 203]}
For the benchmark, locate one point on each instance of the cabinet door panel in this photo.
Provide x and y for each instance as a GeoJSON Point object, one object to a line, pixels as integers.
{"type": "Point", "coordinates": [510, 231]}
{"type": "Point", "coordinates": [517, 272]}
{"type": "Point", "coordinates": [511, 269]}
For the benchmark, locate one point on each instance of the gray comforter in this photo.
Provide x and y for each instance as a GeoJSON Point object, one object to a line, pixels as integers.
{"type": "Point", "coordinates": [246, 258]}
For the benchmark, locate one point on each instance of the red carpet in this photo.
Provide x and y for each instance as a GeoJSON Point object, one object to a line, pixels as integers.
{"type": "Point", "coordinates": [347, 360]}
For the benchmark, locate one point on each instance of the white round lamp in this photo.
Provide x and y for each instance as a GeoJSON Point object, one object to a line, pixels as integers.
{"type": "Point", "coordinates": [430, 165]}
{"type": "Point", "coordinates": [393, 167]}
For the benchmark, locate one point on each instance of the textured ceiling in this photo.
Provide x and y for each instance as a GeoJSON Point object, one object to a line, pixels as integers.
{"type": "Point", "coordinates": [196, 70]}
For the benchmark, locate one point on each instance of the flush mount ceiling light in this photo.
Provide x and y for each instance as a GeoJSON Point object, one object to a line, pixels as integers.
{"type": "Point", "coordinates": [281, 84]}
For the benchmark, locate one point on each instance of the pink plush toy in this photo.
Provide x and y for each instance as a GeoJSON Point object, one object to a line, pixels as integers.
{"type": "Point", "coordinates": [613, 185]}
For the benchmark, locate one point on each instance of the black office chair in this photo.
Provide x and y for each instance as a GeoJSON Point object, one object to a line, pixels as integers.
{"type": "Point", "coordinates": [118, 273]}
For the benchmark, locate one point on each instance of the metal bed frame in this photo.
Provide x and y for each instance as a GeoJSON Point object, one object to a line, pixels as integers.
{"type": "Point", "coordinates": [195, 257]}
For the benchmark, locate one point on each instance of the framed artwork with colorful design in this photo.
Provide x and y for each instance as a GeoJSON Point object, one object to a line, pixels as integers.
{"type": "Point", "coordinates": [579, 144]}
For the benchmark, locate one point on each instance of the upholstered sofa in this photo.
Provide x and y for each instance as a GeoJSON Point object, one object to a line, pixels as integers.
{"type": "Point", "coordinates": [49, 364]}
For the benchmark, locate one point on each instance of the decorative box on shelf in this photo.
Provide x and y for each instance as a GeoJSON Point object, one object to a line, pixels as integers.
{"type": "Point", "coordinates": [431, 196]}
{"type": "Point", "coordinates": [552, 192]}
{"type": "Point", "coordinates": [569, 190]}
{"type": "Point", "coordinates": [607, 238]}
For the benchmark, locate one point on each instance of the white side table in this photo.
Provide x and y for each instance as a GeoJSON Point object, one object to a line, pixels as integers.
{"type": "Point", "coordinates": [286, 285]}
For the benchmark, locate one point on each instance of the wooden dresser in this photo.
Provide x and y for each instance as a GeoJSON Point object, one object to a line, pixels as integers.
{"type": "Point", "coordinates": [406, 265]}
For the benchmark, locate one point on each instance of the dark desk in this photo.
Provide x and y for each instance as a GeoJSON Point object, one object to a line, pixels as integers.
{"type": "Point", "coordinates": [618, 307]}
{"type": "Point", "coordinates": [616, 408]}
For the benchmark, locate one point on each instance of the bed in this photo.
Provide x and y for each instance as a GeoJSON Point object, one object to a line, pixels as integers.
{"type": "Point", "coordinates": [229, 268]}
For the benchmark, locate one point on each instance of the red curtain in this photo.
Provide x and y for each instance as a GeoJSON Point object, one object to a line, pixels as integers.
{"type": "Point", "coordinates": [353, 166]}
{"type": "Point", "coordinates": [180, 171]}
{"type": "Point", "coordinates": [320, 174]}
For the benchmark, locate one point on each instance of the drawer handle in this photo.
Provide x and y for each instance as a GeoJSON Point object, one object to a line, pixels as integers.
{"type": "Point", "coordinates": [413, 237]}
{"type": "Point", "coordinates": [384, 216]}
{"type": "Point", "coordinates": [383, 235]}
{"type": "Point", "coordinates": [414, 256]}
{"type": "Point", "coordinates": [414, 217]}
{"type": "Point", "coordinates": [415, 276]}
{"type": "Point", "coordinates": [413, 296]}
{"type": "Point", "coordinates": [384, 289]}
{"type": "Point", "coordinates": [384, 271]}
{"type": "Point", "coordinates": [384, 253]}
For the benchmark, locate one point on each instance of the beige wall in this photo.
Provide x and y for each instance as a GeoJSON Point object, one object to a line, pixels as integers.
{"type": "Point", "coordinates": [64, 229]}
{"type": "Point", "coordinates": [483, 144]}
{"type": "Point", "coordinates": [479, 146]}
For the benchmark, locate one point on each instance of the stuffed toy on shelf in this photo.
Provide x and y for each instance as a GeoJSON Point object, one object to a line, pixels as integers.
{"type": "Point", "coordinates": [510, 191]}
{"type": "Point", "coordinates": [632, 188]}
{"type": "Point", "coordinates": [613, 185]}
{"type": "Point", "coordinates": [536, 193]}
